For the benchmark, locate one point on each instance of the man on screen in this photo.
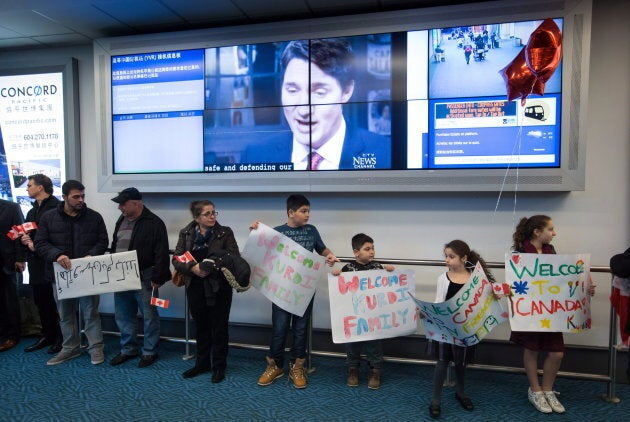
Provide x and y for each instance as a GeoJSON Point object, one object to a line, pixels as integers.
{"type": "Point", "coordinates": [313, 95]}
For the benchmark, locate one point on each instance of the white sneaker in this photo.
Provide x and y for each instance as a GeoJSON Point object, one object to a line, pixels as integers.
{"type": "Point", "coordinates": [553, 401]}
{"type": "Point", "coordinates": [539, 401]}
{"type": "Point", "coordinates": [97, 357]}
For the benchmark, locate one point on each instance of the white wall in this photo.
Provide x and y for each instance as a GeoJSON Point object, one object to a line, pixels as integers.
{"type": "Point", "coordinates": [416, 225]}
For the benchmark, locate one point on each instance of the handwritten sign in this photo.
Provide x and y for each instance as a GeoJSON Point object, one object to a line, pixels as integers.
{"type": "Point", "coordinates": [282, 270]}
{"type": "Point", "coordinates": [549, 292]}
{"type": "Point", "coordinates": [369, 305]}
{"type": "Point", "coordinates": [98, 274]}
{"type": "Point", "coordinates": [466, 318]}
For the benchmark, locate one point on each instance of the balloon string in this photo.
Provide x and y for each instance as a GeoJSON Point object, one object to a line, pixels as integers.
{"type": "Point", "coordinates": [517, 147]}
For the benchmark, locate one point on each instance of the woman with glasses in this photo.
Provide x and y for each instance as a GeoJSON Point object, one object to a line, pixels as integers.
{"type": "Point", "coordinates": [209, 294]}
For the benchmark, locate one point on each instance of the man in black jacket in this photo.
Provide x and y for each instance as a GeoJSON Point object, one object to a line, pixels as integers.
{"type": "Point", "coordinates": [140, 230]}
{"type": "Point", "coordinates": [73, 231]}
{"type": "Point", "coordinates": [11, 260]}
{"type": "Point", "coordinates": [40, 188]}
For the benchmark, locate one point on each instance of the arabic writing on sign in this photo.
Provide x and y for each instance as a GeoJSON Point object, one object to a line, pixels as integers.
{"type": "Point", "coordinates": [98, 274]}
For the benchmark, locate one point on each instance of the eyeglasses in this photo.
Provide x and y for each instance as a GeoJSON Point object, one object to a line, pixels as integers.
{"type": "Point", "coordinates": [210, 213]}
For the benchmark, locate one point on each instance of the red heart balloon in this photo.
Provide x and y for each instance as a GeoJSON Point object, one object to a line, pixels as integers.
{"type": "Point", "coordinates": [544, 50]}
{"type": "Point", "coordinates": [519, 79]}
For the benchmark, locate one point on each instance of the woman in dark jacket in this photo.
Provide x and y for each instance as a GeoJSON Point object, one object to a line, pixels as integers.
{"type": "Point", "coordinates": [209, 294]}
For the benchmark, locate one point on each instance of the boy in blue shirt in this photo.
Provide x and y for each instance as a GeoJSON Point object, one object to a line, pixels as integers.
{"type": "Point", "coordinates": [363, 249]}
{"type": "Point", "coordinates": [306, 235]}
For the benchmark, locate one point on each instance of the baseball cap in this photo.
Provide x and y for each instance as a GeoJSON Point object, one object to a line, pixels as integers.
{"type": "Point", "coordinates": [127, 194]}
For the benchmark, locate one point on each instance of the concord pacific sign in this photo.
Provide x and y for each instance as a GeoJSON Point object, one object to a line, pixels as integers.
{"type": "Point", "coordinates": [28, 91]}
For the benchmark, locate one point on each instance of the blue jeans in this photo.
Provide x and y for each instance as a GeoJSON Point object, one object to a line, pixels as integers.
{"type": "Point", "coordinates": [70, 325]}
{"type": "Point", "coordinates": [280, 320]}
{"type": "Point", "coordinates": [126, 308]}
{"type": "Point", "coordinates": [373, 352]}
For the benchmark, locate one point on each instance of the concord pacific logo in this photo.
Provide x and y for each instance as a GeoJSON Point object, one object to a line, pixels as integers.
{"type": "Point", "coordinates": [28, 91]}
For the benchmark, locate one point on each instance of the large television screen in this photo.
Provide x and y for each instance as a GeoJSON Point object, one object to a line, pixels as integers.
{"type": "Point", "coordinates": [373, 109]}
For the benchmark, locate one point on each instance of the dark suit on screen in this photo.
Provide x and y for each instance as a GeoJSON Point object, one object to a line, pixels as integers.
{"type": "Point", "coordinates": [360, 147]}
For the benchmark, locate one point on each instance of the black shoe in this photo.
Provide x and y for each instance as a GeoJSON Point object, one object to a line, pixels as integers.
{"type": "Point", "coordinates": [435, 410]}
{"type": "Point", "coordinates": [465, 402]}
{"type": "Point", "coordinates": [218, 375]}
{"type": "Point", "coordinates": [39, 344]}
{"type": "Point", "coordinates": [147, 360]}
{"type": "Point", "coordinates": [121, 358]}
{"type": "Point", "coordinates": [194, 371]}
{"type": "Point", "coordinates": [55, 347]}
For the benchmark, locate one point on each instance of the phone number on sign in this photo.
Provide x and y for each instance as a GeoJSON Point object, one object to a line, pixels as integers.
{"type": "Point", "coordinates": [40, 136]}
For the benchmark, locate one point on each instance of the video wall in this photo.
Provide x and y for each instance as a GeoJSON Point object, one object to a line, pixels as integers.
{"type": "Point", "coordinates": [429, 99]}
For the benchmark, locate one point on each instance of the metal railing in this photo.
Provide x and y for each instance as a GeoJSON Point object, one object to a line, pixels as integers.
{"type": "Point", "coordinates": [609, 378]}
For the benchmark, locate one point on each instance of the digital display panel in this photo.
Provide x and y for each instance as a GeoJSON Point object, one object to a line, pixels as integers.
{"type": "Point", "coordinates": [428, 99]}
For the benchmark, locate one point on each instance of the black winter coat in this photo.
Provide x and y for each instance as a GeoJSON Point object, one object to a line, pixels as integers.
{"type": "Point", "coordinates": [10, 250]}
{"type": "Point", "coordinates": [77, 237]}
{"type": "Point", "coordinates": [36, 264]}
{"type": "Point", "coordinates": [150, 241]}
{"type": "Point", "coordinates": [222, 240]}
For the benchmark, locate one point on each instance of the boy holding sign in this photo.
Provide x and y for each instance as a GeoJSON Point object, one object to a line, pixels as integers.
{"type": "Point", "coordinates": [363, 249]}
{"type": "Point", "coordinates": [306, 235]}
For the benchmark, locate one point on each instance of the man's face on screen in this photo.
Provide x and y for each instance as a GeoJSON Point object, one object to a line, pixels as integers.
{"type": "Point", "coordinates": [313, 109]}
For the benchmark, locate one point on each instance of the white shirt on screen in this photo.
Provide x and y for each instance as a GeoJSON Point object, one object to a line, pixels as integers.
{"type": "Point", "coordinates": [331, 151]}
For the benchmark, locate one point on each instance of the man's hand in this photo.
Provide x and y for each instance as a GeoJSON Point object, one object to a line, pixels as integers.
{"type": "Point", "coordinates": [389, 268]}
{"type": "Point", "coordinates": [64, 261]}
{"type": "Point", "coordinates": [19, 267]}
{"type": "Point", "coordinates": [254, 225]}
{"type": "Point", "coordinates": [27, 241]}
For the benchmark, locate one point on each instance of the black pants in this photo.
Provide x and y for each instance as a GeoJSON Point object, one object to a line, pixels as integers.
{"type": "Point", "coordinates": [211, 323]}
{"type": "Point", "coordinates": [47, 307]}
{"type": "Point", "coordinates": [9, 306]}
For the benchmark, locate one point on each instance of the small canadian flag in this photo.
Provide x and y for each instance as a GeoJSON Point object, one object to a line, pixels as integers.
{"type": "Point", "coordinates": [22, 229]}
{"type": "Point", "coordinates": [30, 226]}
{"type": "Point", "coordinates": [162, 303]}
{"type": "Point", "coordinates": [501, 288]}
{"type": "Point", "coordinates": [186, 257]}
{"type": "Point", "coordinates": [13, 234]}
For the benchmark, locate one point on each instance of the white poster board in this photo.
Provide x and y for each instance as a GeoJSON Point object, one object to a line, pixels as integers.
{"type": "Point", "coordinates": [549, 292]}
{"type": "Point", "coordinates": [466, 318]}
{"type": "Point", "coordinates": [282, 270]}
{"type": "Point", "coordinates": [370, 305]}
{"type": "Point", "coordinates": [115, 272]}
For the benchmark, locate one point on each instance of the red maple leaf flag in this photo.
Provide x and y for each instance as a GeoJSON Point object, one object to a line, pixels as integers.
{"type": "Point", "coordinates": [19, 229]}
{"type": "Point", "coordinates": [29, 226]}
{"type": "Point", "coordinates": [501, 288]}
{"type": "Point", "coordinates": [13, 234]}
{"type": "Point", "coordinates": [185, 257]}
{"type": "Point", "coordinates": [162, 303]}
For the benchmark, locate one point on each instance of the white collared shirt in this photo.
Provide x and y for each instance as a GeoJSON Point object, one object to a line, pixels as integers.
{"type": "Point", "coordinates": [330, 151]}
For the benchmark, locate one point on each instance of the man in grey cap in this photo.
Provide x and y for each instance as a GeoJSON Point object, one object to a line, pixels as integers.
{"type": "Point", "coordinates": [140, 230]}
